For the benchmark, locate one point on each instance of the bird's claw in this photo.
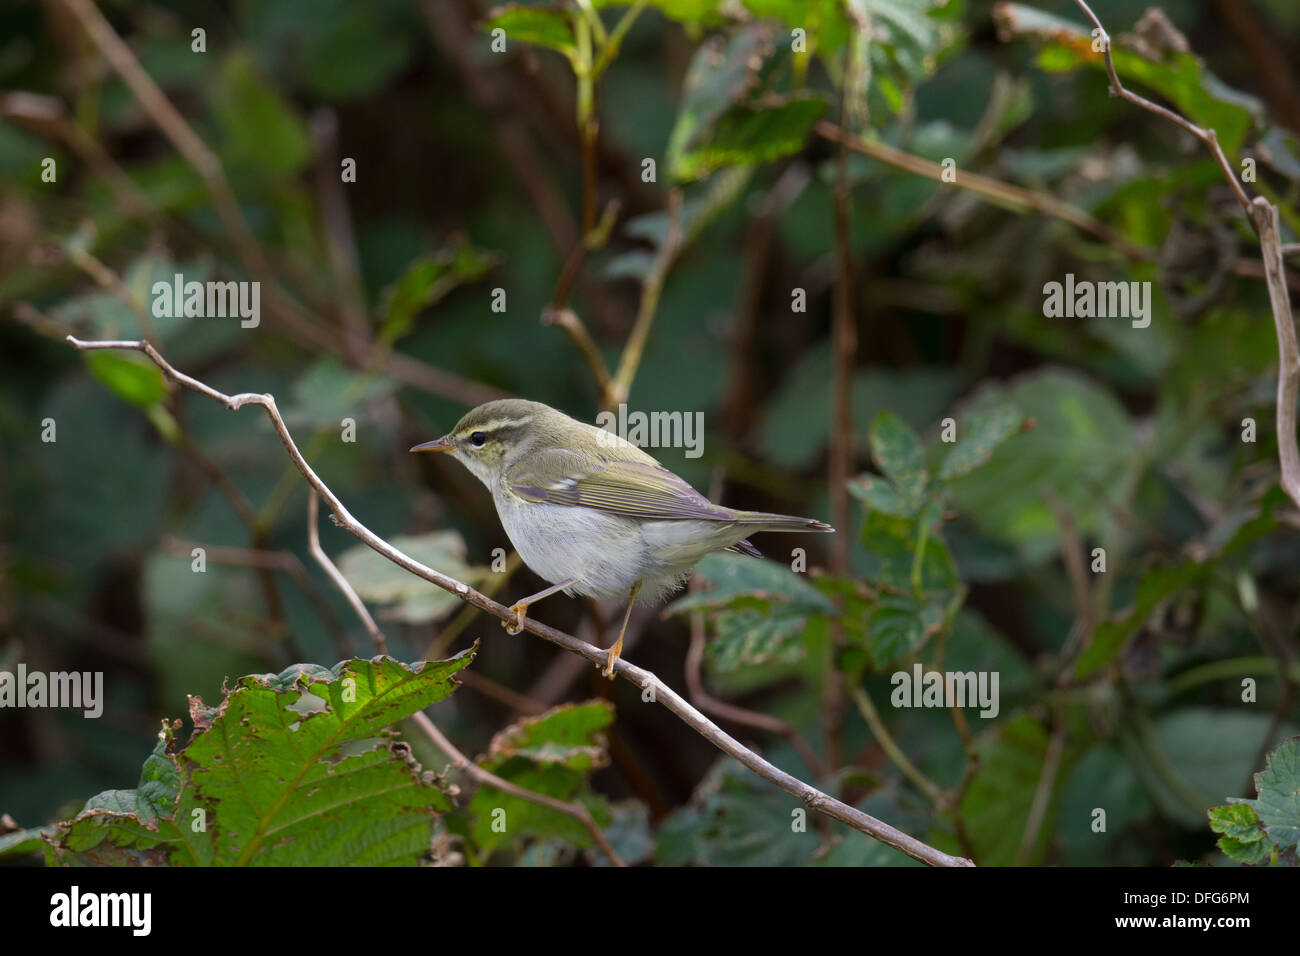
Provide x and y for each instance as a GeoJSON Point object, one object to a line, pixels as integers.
{"type": "Point", "coordinates": [518, 624]}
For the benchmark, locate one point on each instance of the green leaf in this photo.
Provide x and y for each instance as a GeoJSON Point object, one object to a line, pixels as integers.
{"type": "Point", "coordinates": [825, 22]}
{"type": "Point", "coordinates": [1278, 803]}
{"type": "Point", "coordinates": [329, 391]}
{"type": "Point", "coordinates": [411, 599]}
{"type": "Point", "coordinates": [553, 753]}
{"type": "Point", "coordinates": [1236, 820]}
{"type": "Point", "coordinates": [1082, 446]}
{"type": "Point", "coordinates": [978, 438]}
{"type": "Point", "coordinates": [568, 736]}
{"type": "Point", "coordinates": [291, 769]}
{"type": "Point", "coordinates": [730, 577]}
{"type": "Point", "coordinates": [998, 801]}
{"type": "Point", "coordinates": [540, 26]}
{"type": "Point", "coordinates": [900, 455]}
{"type": "Point", "coordinates": [723, 72]}
{"type": "Point", "coordinates": [769, 129]}
{"type": "Point", "coordinates": [1110, 637]}
{"type": "Point", "coordinates": [879, 495]}
{"type": "Point", "coordinates": [1180, 77]}
{"type": "Point", "coordinates": [750, 638]}
{"type": "Point", "coordinates": [259, 129]}
{"type": "Point", "coordinates": [131, 376]}
{"type": "Point", "coordinates": [899, 625]}
{"type": "Point", "coordinates": [893, 542]}
{"type": "Point", "coordinates": [734, 820]}
{"type": "Point", "coordinates": [429, 279]}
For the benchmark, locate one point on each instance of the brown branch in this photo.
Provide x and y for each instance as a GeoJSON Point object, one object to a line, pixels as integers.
{"type": "Point", "coordinates": [895, 753]}
{"type": "Point", "coordinates": [1264, 216]}
{"type": "Point", "coordinates": [844, 334]}
{"type": "Point", "coordinates": [1206, 136]}
{"type": "Point", "coordinates": [335, 575]}
{"type": "Point", "coordinates": [336, 225]}
{"type": "Point", "coordinates": [488, 779]}
{"type": "Point", "coordinates": [702, 699]}
{"type": "Point", "coordinates": [1043, 792]}
{"type": "Point", "coordinates": [264, 560]}
{"type": "Point", "coordinates": [647, 681]}
{"type": "Point", "coordinates": [992, 189]}
{"type": "Point", "coordinates": [174, 127]}
{"type": "Point", "coordinates": [617, 393]}
{"type": "Point", "coordinates": [566, 319]}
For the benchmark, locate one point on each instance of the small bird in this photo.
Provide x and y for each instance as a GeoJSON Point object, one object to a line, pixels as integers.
{"type": "Point", "coordinates": [590, 512]}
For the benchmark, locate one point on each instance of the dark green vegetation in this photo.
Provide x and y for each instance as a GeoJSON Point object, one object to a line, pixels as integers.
{"type": "Point", "coordinates": [1148, 679]}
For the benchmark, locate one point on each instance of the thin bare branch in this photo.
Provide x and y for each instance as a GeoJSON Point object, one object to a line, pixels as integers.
{"type": "Point", "coordinates": [335, 575]}
{"type": "Point", "coordinates": [995, 190]}
{"type": "Point", "coordinates": [488, 779]}
{"type": "Point", "coordinates": [1264, 216]}
{"type": "Point", "coordinates": [643, 679]}
{"type": "Point", "coordinates": [1206, 136]}
{"type": "Point", "coordinates": [702, 699]}
{"type": "Point", "coordinates": [654, 281]}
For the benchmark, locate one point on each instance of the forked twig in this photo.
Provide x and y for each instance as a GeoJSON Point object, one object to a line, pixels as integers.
{"type": "Point", "coordinates": [647, 681]}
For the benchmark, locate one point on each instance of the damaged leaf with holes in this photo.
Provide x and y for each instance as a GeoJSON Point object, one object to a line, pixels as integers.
{"type": "Point", "coordinates": [555, 754]}
{"type": "Point", "coordinates": [291, 769]}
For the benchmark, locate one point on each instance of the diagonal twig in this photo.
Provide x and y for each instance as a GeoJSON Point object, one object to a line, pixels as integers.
{"type": "Point", "coordinates": [643, 679]}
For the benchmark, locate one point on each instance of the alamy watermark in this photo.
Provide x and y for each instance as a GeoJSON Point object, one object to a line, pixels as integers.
{"type": "Point", "coordinates": [951, 689]}
{"type": "Point", "coordinates": [654, 429]}
{"type": "Point", "coordinates": [71, 689]}
{"type": "Point", "coordinates": [219, 300]}
{"type": "Point", "coordinates": [1104, 300]}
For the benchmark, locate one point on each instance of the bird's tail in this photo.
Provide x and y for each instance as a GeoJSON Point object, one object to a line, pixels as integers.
{"type": "Point", "coordinates": [762, 521]}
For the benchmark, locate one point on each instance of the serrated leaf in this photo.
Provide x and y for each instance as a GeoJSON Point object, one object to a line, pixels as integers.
{"type": "Point", "coordinates": [749, 638]}
{"type": "Point", "coordinates": [900, 624]}
{"type": "Point", "coordinates": [899, 454]}
{"type": "Point", "coordinates": [1278, 803]}
{"type": "Point", "coordinates": [879, 495]}
{"type": "Point", "coordinates": [273, 782]}
{"type": "Point", "coordinates": [978, 438]}
{"type": "Point", "coordinates": [553, 754]}
{"type": "Point", "coordinates": [722, 73]}
{"type": "Point", "coordinates": [568, 735]}
{"type": "Point", "coordinates": [1083, 447]}
{"type": "Point", "coordinates": [759, 133]}
{"type": "Point", "coordinates": [892, 542]}
{"type": "Point", "coordinates": [1236, 820]}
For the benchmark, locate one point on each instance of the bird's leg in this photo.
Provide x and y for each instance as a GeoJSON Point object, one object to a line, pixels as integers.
{"type": "Point", "coordinates": [521, 607]}
{"type": "Point", "coordinates": [611, 656]}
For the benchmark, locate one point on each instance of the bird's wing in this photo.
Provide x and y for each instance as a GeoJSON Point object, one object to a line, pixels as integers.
{"type": "Point", "coordinates": [632, 489]}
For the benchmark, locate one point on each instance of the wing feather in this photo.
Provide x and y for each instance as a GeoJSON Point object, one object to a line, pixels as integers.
{"type": "Point", "coordinates": [632, 489]}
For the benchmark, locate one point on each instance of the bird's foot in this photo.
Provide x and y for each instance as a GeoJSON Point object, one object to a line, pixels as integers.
{"type": "Point", "coordinates": [521, 610]}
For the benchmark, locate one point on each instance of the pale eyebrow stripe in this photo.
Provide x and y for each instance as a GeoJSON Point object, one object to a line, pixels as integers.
{"type": "Point", "coordinates": [497, 424]}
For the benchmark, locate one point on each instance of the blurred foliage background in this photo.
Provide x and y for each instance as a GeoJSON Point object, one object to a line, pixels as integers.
{"type": "Point", "coordinates": [1119, 690]}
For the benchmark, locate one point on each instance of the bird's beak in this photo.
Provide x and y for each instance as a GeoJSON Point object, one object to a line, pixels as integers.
{"type": "Point", "coordinates": [438, 444]}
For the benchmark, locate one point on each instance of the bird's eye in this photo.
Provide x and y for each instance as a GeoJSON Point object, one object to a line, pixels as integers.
{"type": "Point", "coordinates": [478, 438]}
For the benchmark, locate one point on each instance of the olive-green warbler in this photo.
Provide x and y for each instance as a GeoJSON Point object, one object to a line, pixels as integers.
{"type": "Point", "coordinates": [592, 513]}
